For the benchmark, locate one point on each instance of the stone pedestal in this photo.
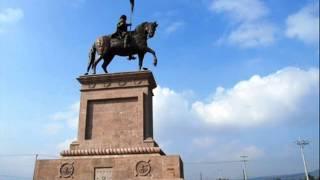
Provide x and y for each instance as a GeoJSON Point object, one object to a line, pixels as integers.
{"type": "Point", "coordinates": [115, 136]}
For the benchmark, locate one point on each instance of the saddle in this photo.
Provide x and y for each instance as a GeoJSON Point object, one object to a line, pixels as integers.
{"type": "Point", "coordinates": [117, 40]}
{"type": "Point", "coordinates": [114, 40]}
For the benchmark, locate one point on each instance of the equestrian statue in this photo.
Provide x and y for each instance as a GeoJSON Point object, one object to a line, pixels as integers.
{"type": "Point", "coordinates": [123, 43]}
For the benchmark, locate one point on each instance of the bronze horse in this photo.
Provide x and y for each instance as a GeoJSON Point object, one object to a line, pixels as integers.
{"type": "Point", "coordinates": [107, 47]}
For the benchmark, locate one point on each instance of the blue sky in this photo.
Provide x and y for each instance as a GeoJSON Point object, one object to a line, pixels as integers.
{"type": "Point", "coordinates": [235, 77]}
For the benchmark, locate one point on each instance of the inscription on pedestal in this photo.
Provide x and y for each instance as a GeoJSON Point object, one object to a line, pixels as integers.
{"type": "Point", "coordinates": [103, 174]}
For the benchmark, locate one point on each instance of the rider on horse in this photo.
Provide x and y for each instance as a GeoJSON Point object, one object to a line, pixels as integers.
{"type": "Point", "coordinates": [107, 47]}
{"type": "Point", "coordinates": [122, 32]}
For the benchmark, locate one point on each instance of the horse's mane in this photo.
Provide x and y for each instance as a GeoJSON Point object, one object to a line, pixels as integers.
{"type": "Point", "coordinates": [141, 27]}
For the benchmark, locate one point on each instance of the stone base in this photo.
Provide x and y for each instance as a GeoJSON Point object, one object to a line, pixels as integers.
{"type": "Point", "coordinates": [115, 137]}
{"type": "Point", "coordinates": [124, 167]}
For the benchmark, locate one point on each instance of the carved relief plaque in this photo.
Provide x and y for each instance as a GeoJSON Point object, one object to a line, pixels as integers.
{"type": "Point", "coordinates": [66, 170]}
{"type": "Point", "coordinates": [143, 168]}
{"type": "Point", "coordinates": [103, 174]}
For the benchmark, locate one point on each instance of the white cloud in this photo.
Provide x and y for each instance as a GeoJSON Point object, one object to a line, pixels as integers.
{"type": "Point", "coordinates": [164, 101]}
{"type": "Point", "coordinates": [252, 35]}
{"type": "Point", "coordinates": [240, 10]}
{"type": "Point", "coordinates": [247, 16]}
{"type": "Point", "coordinates": [304, 24]}
{"type": "Point", "coordinates": [10, 16]}
{"type": "Point", "coordinates": [70, 116]}
{"type": "Point", "coordinates": [174, 26]}
{"type": "Point", "coordinates": [260, 100]}
{"type": "Point", "coordinates": [196, 126]}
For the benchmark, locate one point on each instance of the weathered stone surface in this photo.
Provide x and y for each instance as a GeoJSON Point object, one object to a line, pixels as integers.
{"type": "Point", "coordinates": [115, 135]}
{"type": "Point", "coordinates": [133, 167]}
{"type": "Point", "coordinates": [116, 110]}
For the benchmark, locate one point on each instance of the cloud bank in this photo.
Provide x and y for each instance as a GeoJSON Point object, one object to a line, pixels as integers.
{"type": "Point", "coordinates": [259, 100]}
{"type": "Point", "coordinates": [201, 128]}
{"type": "Point", "coordinates": [253, 102]}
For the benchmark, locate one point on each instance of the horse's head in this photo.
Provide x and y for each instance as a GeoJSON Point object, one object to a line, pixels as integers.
{"type": "Point", "coordinates": [150, 29]}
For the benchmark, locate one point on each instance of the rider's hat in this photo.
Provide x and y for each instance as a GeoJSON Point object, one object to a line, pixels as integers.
{"type": "Point", "coordinates": [123, 17]}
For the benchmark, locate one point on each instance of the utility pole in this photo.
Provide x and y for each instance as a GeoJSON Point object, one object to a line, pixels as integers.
{"type": "Point", "coordinates": [244, 160]}
{"type": "Point", "coordinates": [301, 144]}
{"type": "Point", "coordinates": [200, 176]}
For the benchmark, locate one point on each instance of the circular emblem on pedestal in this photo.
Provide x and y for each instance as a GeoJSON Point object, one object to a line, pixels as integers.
{"type": "Point", "coordinates": [107, 84]}
{"type": "Point", "coordinates": [92, 85]}
{"type": "Point", "coordinates": [143, 168]}
{"type": "Point", "coordinates": [66, 170]}
{"type": "Point", "coordinates": [122, 83]}
{"type": "Point", "coordinates": [138, 82]}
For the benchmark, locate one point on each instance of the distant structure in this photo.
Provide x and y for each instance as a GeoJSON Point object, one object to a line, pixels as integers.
{"type": "Point", "coordinates": [301, 144]}
{"type": "Point", "coordinates": [244, 160]}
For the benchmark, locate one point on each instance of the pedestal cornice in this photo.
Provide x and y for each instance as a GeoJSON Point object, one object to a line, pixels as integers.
{"type": "Point", "coordinates": [117, 80]}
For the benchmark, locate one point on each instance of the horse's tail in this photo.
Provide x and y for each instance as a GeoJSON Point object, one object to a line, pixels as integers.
{"type": "Point", "coordinates": [92, 56]}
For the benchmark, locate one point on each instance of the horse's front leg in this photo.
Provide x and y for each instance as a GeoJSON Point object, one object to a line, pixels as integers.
{"type": "Point", "coordinates": [141, 57]}
{"type": "Point", "coordinates": [155, 60]}
{"type": "Point", "coordinates": [94, 66]}
{"type": "Point", "coordinates": [107, 59]}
